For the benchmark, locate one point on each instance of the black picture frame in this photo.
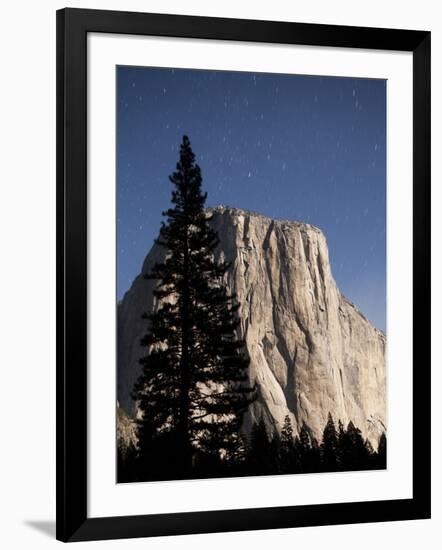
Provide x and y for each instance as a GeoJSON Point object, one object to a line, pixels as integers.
{"type": "Point", "coordinates": [73, 25]}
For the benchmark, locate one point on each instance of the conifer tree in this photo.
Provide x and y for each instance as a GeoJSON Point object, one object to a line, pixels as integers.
{"type": "Point", "coordinates": [260, 449]}
{"type": "Point", "coordinates": [287, 432]}
{"type": "Point", "coordinates": [329, 447]}
{"type": "Point", "coordinates": [340, 444]}
{"type": "Point", "coordinates": [304, 448]}
{"type": "Point", "coordinates": [287, 446]}
{"type": "Point", "coordinates": [341, 431]}
{"type": "Point", "coordinates": [371, 456]}
{"type": "Point", "coordinates": [193, 388]}
{"type": "Point", "coordinates": [314, 459]}
{"type": "Point", "coordinates": [274, 461]}
{"type": "Point", "coordinates": [355, 455]}
{"type": "Point", "coordinates": [382, 451]}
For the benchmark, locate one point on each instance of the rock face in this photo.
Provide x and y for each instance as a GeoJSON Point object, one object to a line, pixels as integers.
{"type": "Point", "coordinates": [311, 351]}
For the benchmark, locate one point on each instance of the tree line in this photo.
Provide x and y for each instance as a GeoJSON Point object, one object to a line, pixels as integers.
{"type": "Point", "coordinates": [260, 453]}
{"type": "Point", "coordinates": [340, 449]}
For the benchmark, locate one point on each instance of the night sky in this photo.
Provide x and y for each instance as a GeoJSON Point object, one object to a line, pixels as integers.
{"type": "Point", "coordinates": [304, 148]}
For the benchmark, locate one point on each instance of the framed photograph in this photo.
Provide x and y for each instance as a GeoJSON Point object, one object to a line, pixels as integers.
{"type": "Point", "coordinates": [243, 274]}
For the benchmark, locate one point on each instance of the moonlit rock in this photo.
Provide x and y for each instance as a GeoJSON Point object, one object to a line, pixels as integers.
{"type": "Point", "coordinates": [311, 351]}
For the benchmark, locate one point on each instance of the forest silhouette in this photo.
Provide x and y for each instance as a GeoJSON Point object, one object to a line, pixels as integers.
{"type": "Point", "coordinates": [340, 450]}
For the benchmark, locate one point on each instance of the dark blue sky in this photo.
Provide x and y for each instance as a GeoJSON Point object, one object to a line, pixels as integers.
{"type": "Point", "coordinates": [303, 148]}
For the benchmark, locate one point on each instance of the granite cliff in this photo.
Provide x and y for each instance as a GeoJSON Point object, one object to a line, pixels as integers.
{"type": "Point", "coordinates": [311, 351]}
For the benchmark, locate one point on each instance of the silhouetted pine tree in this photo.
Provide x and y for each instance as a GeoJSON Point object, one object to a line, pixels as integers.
{"type": "Point", "coordinates": [340, 444]}
{"type": "Point", "coordinates": [354, 452]}
{"type": "Point", "coordinates": [304, 448]}
{"type": "Point", "coordinates": [287, 433]}
{"type": "Point", "coordinates": [264, 451]}
{"type": "Point", "coordinates": [381, 457]}
{"type": "Point", "coordinates": [259, 448]}
{"type": "Point", "coordinates": [315, 457]}
{"type": "Point", "coordinates": [193, 387]}
{"type": "Point", "coordinates": [307, 452]}
{"type": "Point", "coordinates": [371, 455]}
{"type": "Point", "coordinates": [288, 458]}
{"type": "Point", "coordinates": [275, 454]}
{"type": "Point", "coordinates": [296, 465]}
{"type": "Point", "coordinates": [329, 446]}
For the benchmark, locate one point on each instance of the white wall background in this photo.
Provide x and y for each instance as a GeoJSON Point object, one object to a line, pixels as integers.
{"type": "Point", "coordinates": [27, 273]}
